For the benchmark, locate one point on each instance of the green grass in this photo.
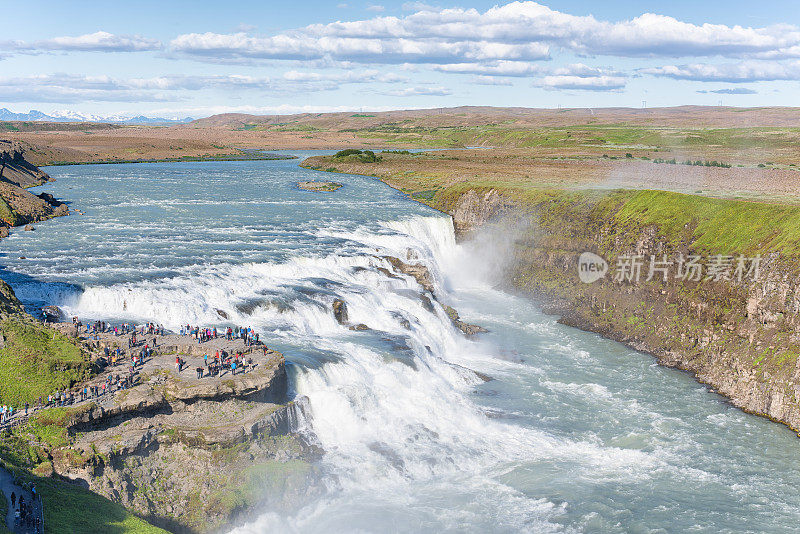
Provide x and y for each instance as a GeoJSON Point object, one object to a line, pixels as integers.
{"type": "Point", "coordinates": [587, 135]}
{"type": "Point", "coordinates": [424, 195]}
{"type": "Point", "coordinates": [3, 513]}
{"type": "Point", "coordinates": [720, 225]}
{"type": "Point", "coordinates": [36, 361]}
{"type": "Point", "coordinates": [70, 509]}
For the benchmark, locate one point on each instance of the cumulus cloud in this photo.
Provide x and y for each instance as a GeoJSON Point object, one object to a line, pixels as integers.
{"type": "Point", "coordinates": [731, 91]}
{"type": "Point", "coordinates": [215, 46]}
{"type": "Point", "coordinates": [580, 83]}
{"type": "Point", "coordinates": [582, 77]}
{"type": "Point", "coordinates": [504, 40]}
{"type": "Point", "coordinates": [742, 72]}
{"type": "Point", "coordinates": [527, 23]}
{"type": "Point", "coordinates": [91, 42]}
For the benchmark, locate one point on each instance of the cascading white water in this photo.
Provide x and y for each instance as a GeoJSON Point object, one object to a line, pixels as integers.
{"type": "Point", "coordinates": [574, 433]}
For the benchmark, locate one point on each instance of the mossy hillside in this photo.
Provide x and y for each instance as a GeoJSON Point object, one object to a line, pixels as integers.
{"type": "Point", "coordinates": [36, 361]}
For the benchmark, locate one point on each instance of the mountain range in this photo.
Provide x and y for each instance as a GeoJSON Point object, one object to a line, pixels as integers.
{"type": "Point", "coordinates": [72, 116]}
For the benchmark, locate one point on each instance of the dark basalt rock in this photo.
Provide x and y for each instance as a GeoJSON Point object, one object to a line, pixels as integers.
{"type": "Point", "coordinates": [340, 311]}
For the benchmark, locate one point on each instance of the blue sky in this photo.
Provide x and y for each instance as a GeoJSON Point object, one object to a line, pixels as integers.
{"type": "Point", "coordinates": [177, 58]}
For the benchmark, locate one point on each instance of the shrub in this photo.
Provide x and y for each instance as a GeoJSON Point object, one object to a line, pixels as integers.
{"type": "Point", "coordinates": [346, 152]}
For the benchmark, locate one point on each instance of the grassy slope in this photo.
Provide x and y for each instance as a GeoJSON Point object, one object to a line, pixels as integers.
{"type": "Point", "coordinates": [70, 509]}
{"type": "Point", "coordinates": [36, 361]}
{"type": "Point", "coordinates": [767, 146]}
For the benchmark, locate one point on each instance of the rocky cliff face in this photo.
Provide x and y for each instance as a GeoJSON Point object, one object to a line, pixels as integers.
{"type": "Point", "coordinates": [14, 168]}
{"type": "Point", "coordinates": [738, 336]}
{"type": "Point", "coordinates": [17, 205]}
{"type": "Point", "coordinates": [185, 456]}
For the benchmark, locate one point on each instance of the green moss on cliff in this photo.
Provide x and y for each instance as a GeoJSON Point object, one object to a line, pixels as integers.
{"type": "Point", "coordinates": [717, 225]}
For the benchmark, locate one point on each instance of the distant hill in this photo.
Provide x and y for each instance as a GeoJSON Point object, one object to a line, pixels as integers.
{"type": "Point", "coordinates": [72, 116]}
{"type": "Point", "coordinates": [467, 116]}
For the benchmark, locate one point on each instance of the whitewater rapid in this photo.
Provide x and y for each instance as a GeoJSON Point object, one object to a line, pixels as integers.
{"type": "Point", "coordinates": [572, 433]}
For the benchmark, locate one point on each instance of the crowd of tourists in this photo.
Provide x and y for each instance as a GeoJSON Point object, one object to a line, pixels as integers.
{"type": "Point", "coordinates": [248, 335]}
{"type": "Point", "coordinates": [141, 350]}
{"type": "Point", "coordinates": [223, 361]}
{"type": "Point", "coordinates": [25, 514]}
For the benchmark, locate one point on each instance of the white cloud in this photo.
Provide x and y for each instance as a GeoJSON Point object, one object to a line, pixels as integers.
{"type": "Point", "coordinates": [731, 91]}
{"type": "Point", "coordinates": [91, 42]}
{"type": "Point", "coordinates": [492, 68]}
{"type": "Point", "coordinates": [742, 72]}
{"type": "Point", "coordinates": [217, 46]}
{"type": "Point", "coordinates": [582, 83]}
{"type": "Point", "coordinates": [501, 41]}
{"type": "Point", "coordinates": [71, 88]}
{"type": "Point", "coordinates": [578, 76]}
{"type": "Point", "coordinates": [491, 80]}
{"type": "Point", "coordinates": [420, 91]}
{"type": "Point", "coordinates": [375, 8]}
{"type": "Point", "coordinates": [529, 22]}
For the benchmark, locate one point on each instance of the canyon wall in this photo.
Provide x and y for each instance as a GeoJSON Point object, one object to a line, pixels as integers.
{"type": "Point", "coordinates": [734, 328]}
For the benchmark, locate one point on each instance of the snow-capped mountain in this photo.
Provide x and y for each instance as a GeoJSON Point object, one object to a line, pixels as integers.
{"type": "Point", "coordinates": [74, 116]}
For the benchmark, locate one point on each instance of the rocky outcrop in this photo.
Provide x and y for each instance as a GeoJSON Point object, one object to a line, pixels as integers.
{"type": "Point", "coordinates": [187, 455]}
{"type": "Point", "coordinates": [468, 329]}
{"type": "Point", "coordinates": [418, 272]}
{"type": "Point", "coordinates": [17, 205]}
{"type": "Point", "coordinates": [15, 169]}
{"type": "Point", "coordinates": [474, 209]}
{"type": "Point", "coordinates": [319, 187]}
{"type": "Point", "coordinates": [340, 311]}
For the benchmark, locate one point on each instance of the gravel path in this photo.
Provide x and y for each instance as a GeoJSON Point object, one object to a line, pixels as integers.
{"type": "Point", "coordinates": [8, 486]}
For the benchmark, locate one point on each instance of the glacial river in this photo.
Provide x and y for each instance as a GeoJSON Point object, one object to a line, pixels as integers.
{"type": "Point", "coordinates": [573, 433]}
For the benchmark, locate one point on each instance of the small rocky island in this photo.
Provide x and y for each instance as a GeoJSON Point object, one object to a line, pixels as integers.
{"type": "Point", "coordinates": [319, 187]}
